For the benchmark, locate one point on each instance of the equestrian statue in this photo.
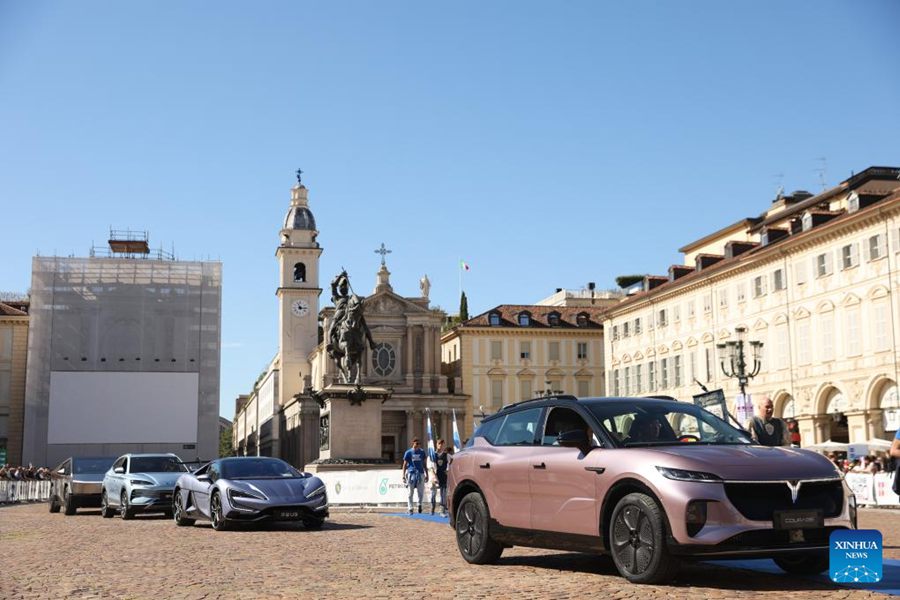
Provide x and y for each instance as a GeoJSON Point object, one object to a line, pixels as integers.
{"type": "Point", "coordinates": [348, 333]}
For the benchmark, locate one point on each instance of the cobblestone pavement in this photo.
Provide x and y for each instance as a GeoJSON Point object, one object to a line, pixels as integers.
{"type": "Point", "coordinates": [356, 555]}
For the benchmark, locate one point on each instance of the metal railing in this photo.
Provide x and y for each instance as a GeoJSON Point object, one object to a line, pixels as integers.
{"type": "Point", "coordinates": [24, 491]}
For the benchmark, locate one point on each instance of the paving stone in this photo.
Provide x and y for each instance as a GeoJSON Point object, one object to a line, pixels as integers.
{"type": "Point", "coordinates": [355, 555]}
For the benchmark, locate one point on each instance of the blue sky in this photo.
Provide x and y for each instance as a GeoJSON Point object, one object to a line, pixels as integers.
{"type": "Point", "coordinates": [548, 144]}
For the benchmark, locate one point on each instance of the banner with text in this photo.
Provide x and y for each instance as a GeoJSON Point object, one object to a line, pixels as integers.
{"type": "Point", "coordinates": [382, 486]}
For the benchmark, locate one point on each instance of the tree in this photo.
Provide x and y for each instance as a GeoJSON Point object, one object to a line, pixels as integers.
{"type": "Point", "coordinates": [463, 307]}
{"type": "Point", "coordinates": [624, 281]}
{"type": "Point", "coordinates": [225, 442]}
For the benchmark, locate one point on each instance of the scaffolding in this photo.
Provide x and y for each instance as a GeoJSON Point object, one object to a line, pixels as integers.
{"type": "Point", "coordinates": [125, 243]}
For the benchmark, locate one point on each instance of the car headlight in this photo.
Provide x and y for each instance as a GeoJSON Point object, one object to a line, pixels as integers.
{"type": "Point", "coordinates": [141, 482]}
{"type": "Point", "coordinates": [317, 492]}
{"type": "Point", "coordinates": [685, 475]}
{"type": "Point", "coordinates": [238, 494]}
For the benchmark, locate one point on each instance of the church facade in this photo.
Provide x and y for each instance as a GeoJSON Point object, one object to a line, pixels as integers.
{"type": "Point", "coordinates": [406, 359]}
{"type": "Point", "coordinates": [280, 417]}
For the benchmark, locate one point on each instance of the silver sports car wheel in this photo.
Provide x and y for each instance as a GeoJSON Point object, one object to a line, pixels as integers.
{"type": "Point", "coordinates": [178, 513]}
{"type": "Point", "coordinates": [216, 515]}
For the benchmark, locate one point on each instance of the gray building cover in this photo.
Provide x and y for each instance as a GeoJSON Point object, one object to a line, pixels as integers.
{"type": "Point", "coordinates": [123, 356]}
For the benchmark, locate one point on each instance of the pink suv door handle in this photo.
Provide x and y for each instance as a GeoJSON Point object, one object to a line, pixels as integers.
{"type": "Point", "coordinates": [540, 466]}
{"type": "Point", "coordinates": [597, 470]}
{"type": "Point", "coordinates": [486, 465]}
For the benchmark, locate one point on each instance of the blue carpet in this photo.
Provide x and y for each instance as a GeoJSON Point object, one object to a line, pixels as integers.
{"type": "Point", "coordinates": [434, 518]}
{"type": "Point", "coordinates": [890, 584]}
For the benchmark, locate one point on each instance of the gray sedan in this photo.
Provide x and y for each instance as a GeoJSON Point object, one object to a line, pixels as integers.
{"type": "Point", "coordinates": [249, 489]}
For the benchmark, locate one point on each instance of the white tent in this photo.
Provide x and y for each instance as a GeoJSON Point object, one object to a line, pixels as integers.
{"type": "Point", "coordinates": [828, 446]}
{"type": "Point", "coordinates": [878, 445]}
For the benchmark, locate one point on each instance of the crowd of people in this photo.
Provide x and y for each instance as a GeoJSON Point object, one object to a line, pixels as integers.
{"type": "Point", "coordinates": [868, 464]}
{"type": "Point", "coordinates": [29, 473]}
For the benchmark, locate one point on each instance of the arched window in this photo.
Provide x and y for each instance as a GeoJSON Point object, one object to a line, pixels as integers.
{"type": "Point", "coordinates": [524, 319]}
{"type": "Point", "coordinates": [300, 273]}
{"type": "Point", "coordinates": [494, 318]}
{"type": "Point", "coordinates": [553, 319]}
{"type": "Point", "coordinates": [582, 320]}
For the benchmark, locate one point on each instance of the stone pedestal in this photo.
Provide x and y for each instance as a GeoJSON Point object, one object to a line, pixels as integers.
{"type": "Point", "coordinates": [350, 431]}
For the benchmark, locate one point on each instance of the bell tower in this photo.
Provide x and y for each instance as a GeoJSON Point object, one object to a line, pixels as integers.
{"type": "Point", "coordinates": [298, 293]}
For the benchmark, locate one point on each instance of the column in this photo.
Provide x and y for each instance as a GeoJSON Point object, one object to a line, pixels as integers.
{"type": "Point", "coordinates": [875, 424]}
{"type": "Point", "coordinates": [822, 426]}
{"type": "Point", "coordinates": [409, 429]}
{"type": "Point", "coordinates": [409, 355]}
{"type": "Point", "coordinates": [428, 335]}
{"type": "Point", "coordinates": [857, 426]}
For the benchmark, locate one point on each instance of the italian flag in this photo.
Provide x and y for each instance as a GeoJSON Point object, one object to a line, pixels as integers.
{"type": "Point", "coordinates": [464, 266]}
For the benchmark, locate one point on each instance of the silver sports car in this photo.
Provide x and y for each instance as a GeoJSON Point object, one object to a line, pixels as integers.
{"type": "Point", "coordinates": [249, 489]}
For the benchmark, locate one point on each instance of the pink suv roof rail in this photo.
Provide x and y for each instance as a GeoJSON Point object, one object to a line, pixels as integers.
{"type": "Point", "coordinates": [557, 397]}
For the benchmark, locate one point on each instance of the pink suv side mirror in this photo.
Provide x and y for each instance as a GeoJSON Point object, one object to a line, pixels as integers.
{"type": "Point", "coordinates": [576, 438]}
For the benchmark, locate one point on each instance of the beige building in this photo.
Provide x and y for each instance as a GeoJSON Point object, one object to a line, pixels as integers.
{"type": "Point", "coordinates": [516, 352]}
{"type": "Point", "coordinates": [814, 278]}
{"type": "Point", "coordinates": [13, 356]}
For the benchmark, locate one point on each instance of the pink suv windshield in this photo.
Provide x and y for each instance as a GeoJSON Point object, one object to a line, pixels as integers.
{"type": "Point", "coordinates": [659, 423]}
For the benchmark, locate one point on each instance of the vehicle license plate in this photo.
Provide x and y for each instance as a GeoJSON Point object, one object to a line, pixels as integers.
{"type": "Point", "coordinates": [288, 514]}
{"type": "Point", "coordinates": [798, 519]}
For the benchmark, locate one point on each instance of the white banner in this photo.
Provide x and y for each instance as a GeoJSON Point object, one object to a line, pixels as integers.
{"type": "Point", "coordinates": [863, 487]}
{"type": "Point", "coordinates": [884, 495]}
{"type": "Point", "coordinates": [383, 486]}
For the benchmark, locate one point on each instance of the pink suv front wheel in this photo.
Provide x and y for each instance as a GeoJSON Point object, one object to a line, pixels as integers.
{"type": "Point", "coordinates": [638, 540]}
{"type": "Point", "coordinates": [472, 531]}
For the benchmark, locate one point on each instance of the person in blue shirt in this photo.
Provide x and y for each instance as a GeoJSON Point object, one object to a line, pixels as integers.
{"type": "Point", "coordinates": [895, 447]}
{"type": "Point", "coordinates": [895, 454]}
{"type": "Point", "coordinates": [415, 473]}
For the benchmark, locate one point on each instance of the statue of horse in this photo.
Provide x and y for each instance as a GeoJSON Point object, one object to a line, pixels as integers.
{"type": "Point", "coordinates": [351, 336]}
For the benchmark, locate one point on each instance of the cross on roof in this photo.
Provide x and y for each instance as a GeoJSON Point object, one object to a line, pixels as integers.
{"type": "Point", "coordinates": [383, 252]}
{"type": "Point", "coordinates": [299, 173]}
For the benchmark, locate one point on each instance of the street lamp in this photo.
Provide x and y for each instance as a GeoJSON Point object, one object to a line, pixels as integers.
{"type": "Point", "coordinates": [734, 361]}
{"type": "Point", "coordinates": [549, 391]}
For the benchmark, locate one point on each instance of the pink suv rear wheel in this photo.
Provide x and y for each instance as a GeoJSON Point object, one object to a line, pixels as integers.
{"type": "Point", "coordinates": [638, 540]}
{"type": "Point", "coordinates": [472, 537]}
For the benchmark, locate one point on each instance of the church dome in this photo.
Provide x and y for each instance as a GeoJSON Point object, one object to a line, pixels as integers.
{"type": "Point", "coordinates": [300, 217]}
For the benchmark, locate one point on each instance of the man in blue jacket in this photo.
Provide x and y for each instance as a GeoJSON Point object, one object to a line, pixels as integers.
{"type": "Point", "coordinates": [415, 473]}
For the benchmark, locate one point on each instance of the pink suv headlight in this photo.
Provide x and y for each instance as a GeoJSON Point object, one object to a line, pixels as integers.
{"type": "Point", "coordinates": [685, 475]}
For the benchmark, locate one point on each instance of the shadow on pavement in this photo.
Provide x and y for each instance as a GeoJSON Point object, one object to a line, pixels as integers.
{"type": "Point", "coordinates": [284, 526]}
{"type": "Point", "coordinates": [695, 575]}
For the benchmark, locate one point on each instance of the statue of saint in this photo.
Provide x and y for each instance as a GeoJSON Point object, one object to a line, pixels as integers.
{"type": "Point", "coordinates": [425, 286]}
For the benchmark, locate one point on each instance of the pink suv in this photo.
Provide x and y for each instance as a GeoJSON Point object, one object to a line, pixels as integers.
{"type": "Point", "coordinates": [650, 481]}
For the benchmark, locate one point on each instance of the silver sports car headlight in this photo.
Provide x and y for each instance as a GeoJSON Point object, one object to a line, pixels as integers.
{"type": "Point", "coordinates": [141, 482]}
{"type": "Point", "coordinates": [235, 494]}
{"type": "Point", "coordinates": [317, 492]}
{"type": "Point", "coordinates": [685, 475]}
